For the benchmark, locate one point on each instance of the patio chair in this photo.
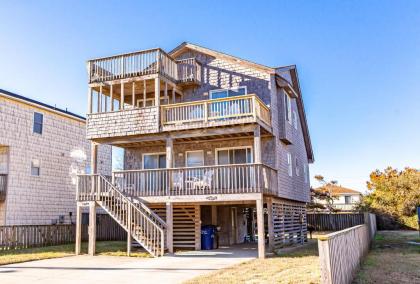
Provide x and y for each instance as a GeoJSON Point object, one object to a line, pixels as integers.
{"type": "Point", "coordinates": [205, 181]}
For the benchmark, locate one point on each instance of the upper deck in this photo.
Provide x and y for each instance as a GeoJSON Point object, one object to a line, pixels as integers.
{"type": "Point", "coordinates": [144, 63]}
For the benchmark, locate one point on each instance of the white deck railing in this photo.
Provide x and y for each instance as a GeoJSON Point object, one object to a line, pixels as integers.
{"type": "Point", "coordinates": [142, 63]}
{"type": "Point", "coordinates": [221, 179]}
{"type": "Point", "coordinates": [216, 110]}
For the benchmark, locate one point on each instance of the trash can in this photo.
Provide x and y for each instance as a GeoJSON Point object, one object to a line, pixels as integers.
{"type": "Point", "coordinates": [207, 237]}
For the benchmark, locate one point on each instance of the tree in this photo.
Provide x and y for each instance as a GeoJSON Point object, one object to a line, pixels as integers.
{"type": "Point", "coordinates": [326, 195]}
{"type": "Point", "coordinates": [394, 193]}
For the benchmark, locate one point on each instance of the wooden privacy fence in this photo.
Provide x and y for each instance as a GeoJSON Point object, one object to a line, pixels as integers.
{"type": "Point", "coordinates": [341, 253]}
{"type": "Point", "coordinates": [334, 222]}
{"type": "Point", "coordinates": [27, 236]}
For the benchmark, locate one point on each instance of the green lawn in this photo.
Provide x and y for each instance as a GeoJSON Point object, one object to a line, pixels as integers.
{"type": "Point", "coordinates": [102, 248]}
{"type": "Point", "coordinates": [392, 259]}
{"type": "Point", "coordinates": [298, 265]}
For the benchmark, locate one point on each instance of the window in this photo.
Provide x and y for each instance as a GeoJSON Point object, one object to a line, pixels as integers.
{"type": "Point", "coordinates": [297, 170]}
{"type": "Point", "coordinates": [231, 92]}
{"type": "Point", "coordinates": [288, 108]}
{"type": "Point", "coordinates": [347, 199]}
{"type": "Point", "coordinates": [38, 120]}
{"type": "Point", "coordinates": [194, 158]}
{"type": "Point", "coordinates": [305, 173]}
{"type": "Point", "coordinates": [154, 161]}
{"type": "Point", "coordinates": [35, 169]}
{"type": "Point", "coordinates": [234, 156]}
{"type": "Point", "coordinates": [295, 120]}
{"type": "Point", "coordinates": [151, 102]}
{"type": "Point", "coordinates": [289, 164]}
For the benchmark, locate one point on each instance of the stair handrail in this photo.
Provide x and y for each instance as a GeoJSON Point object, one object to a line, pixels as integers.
{"type": "Point", "coordinates": [160, 225]}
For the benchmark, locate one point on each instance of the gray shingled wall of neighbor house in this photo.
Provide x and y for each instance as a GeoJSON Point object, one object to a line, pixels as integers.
{"type": "Point", "coordinates": [63, 152]}
{"type": "Point", "coordinates": [123, 123]}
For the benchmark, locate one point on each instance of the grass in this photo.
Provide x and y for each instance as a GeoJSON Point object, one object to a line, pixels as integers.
{"type": "Point", "coordinates": [392, 259]}
{"type": "Point", "coordinates": [111, 248]}
{"type": "Point", "coordinates": [297, 265]}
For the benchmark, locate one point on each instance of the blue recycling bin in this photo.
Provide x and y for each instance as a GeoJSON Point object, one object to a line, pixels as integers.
{"type": "Point", "coordinates": [207, 237]}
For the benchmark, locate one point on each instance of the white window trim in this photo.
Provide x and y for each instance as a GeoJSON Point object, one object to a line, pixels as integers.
{"type": "Point", "coordinates": [232, 148]}
{"type": "Point", "coordinates": [194, 151]}
{"type": "Point", "coordinates": [149, 154]}
{"type": "Point", "coordinates": [295, 120]}
{"type": "Point", "coordinates": [288, 108]}
{"type": "Point", "coordinates": [289, 164]}
{"type": "Point", "coordinates": [227, 89]}
{"type": "Point", "coordinates": [39, 167]}
{"type": "Point", "coordinates": [33, 123]}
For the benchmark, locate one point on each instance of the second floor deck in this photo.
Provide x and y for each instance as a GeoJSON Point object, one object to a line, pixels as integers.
{"type": "Point", "coordinates": [133, 120]}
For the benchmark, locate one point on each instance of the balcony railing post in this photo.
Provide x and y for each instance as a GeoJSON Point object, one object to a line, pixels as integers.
{"type": "Point", "coordinates": [254, 113]}
{"type": "Point", "coordinates": [158, 61]}
{"type": "Point", "coordinates": [206, 113]}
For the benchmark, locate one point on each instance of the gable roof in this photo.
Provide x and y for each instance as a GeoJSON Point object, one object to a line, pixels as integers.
{"type": "Point", "coordinates": [36, 103]}
{"type": "Point", "coordinates": [337, 190]}
{"type": "Point", "coordinates": [186, 45]}
{"type": "Point", "coordinates": [293, 88]}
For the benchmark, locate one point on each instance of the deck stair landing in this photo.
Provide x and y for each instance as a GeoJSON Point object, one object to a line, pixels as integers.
{"type": "Point", "coordinates": [144, 226]}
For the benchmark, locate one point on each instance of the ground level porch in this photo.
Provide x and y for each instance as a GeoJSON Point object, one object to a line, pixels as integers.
{"type": "Point", "coordinates": [265, 222]}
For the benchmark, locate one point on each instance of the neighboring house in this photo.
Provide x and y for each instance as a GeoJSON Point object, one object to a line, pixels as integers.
{"type": "Point", "coordinates": [209, 138]}
{"type": "Point", "coordinates": [344, 199]}
{"type": "Point", "coordinates": [42, 149]}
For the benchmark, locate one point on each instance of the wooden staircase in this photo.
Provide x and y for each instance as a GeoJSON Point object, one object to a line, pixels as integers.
{"type": "Point", "coordinates": [140, 222]}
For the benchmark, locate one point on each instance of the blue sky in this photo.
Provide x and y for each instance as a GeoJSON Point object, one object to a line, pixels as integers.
{"type": "Point", "coordinates": [358, 62]}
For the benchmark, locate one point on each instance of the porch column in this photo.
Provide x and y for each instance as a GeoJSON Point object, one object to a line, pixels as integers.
{"type": "Point", "coordinates": [157, 92]}
{"type": "Point", "coordinates": [90, 94]}
{"type": "Point", "coordinates": [111, 93]}
{"type": "Point", "coordinates": [92, 228]}
{"type": "Point", "coordinates": [169, 152]}
{"type": "Point", "coordinates": [260, 227]}
{"type": "Point", "coordinates": [78, 228]}
{"type": "Point", "coordinates": [270, 224]}
{"type": "Point", "coordinates": [257, 144]}
{"type": "Point", "coordinates": [122, 96]}
{"type": "Point", "coordinates": [170, 226]}
{"type": "Point", "coordinates": [129, 219]}
{"type": "Point", "coordinates": [93, 158]}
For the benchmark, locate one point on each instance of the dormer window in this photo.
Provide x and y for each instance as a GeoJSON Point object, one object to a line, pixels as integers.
{"type": "Point", "coordinates": [230, 92]}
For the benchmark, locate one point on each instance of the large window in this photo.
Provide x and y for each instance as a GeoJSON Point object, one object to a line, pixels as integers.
{"type": "Point", "coordinates": [35, 167]}
{"type": "Point", "coordinates": [38, 121]}
{"type": "Point", "coordinates": [234, 156]}
{"type": "Point", "coordinates": [194, 158]}
{"type": "Point", "coordinates": [154, 161]}
{"type": "Point", "coordinates": [231, 92]}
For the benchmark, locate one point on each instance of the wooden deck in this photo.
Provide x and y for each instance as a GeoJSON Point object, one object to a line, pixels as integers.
{"type": "Point", "coordinates": [143, 63]}
{"type": "Point", "coordinates": [180, 116]}
{"type": "Point", "coordinates": [205, 180]}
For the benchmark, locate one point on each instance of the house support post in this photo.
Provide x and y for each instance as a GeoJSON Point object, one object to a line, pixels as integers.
{"type": "Point", "coordinates": [270, 224]}
{"type": "Point", "coordinates": [157, 98]}
{"type": "Point", "coordinates": [78, 229]}
{"type": "Point", "coordinates": [92, 228]}
{"type": "Point", "coordinates": [260, 227]}
{"type": "Point", "coordinates": [169, 227]}
{"type": "Point", "coordinates": [93, 158]}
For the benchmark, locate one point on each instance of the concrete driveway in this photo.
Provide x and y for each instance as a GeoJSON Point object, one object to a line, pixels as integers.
{"type": "Point", "coordinates": [107, 269]}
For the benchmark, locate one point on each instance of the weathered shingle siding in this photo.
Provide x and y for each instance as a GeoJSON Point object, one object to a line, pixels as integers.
{"type": "Point", "coordinates": [123, 123]}
{"type": "Point", "coordinates": [219, 73]}
{"type": "Point", "coordinates": [63, 152]}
